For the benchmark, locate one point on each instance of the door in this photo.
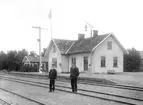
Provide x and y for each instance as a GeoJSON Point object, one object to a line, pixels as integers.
{"type": "Point", "coordinates": [47, 66]}
{"type": "Point", "coordinates": [85, 63]}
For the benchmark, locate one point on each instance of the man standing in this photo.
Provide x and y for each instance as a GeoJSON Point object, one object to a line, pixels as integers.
{"type": "Point", "coordinates": [74, 73]}
{"type": "Point", "coordinates": [52, 77]}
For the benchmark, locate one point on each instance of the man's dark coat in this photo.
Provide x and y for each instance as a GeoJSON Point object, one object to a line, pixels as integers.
{"type": "Point", "coordinates": [53, 74]}
{"type": "Point", "coordinates": [74, 73]}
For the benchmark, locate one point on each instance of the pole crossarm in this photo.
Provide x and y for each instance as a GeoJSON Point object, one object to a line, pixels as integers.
{"type": "Point", "coordinates": [89, 24]}
{"type": "Point", "coordinates": [40, 28]}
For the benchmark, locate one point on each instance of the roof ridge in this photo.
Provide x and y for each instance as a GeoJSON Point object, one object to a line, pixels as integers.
{"type": "Point", "coordinates": [56, 44]}
{"type": "Point", "coordinates": [77, 40]}
{"type": "Point", "coordinates": [70, 47]}
{"type": "Point", "coordinates": [101, 41]}
{"type": "Point", "coordinates": [106, 34]}
{"type": "Point", "coordinates": [63, 39]}
{"type": "Point", "coordinates": [85, 45]}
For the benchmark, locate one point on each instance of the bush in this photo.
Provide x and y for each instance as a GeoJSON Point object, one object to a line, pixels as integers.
{"type": "Point", "coordinates": [132, 61]}
{"type": "Point", "coordinates": [29, 68]}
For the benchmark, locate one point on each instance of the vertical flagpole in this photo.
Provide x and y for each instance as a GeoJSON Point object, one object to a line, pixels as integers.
{"type": "Point", "coordinates": [51, 29]}
{"type": "Point", "coordinates": [50, 17]}
{"type": "Point", "coordinates": [40, 49]}
{"type": "Point", "coordinates": [85, 30]}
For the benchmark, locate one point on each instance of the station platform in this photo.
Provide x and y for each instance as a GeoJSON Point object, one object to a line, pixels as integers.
{"type": "Point", "coordinates": [125, 78]}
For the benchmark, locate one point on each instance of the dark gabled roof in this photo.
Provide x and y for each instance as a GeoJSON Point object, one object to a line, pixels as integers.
{"type": "Point", "coordinates": [32, 59]}
{"type": "Point", "coordinates": [36, 59]}
{"type": "Point", "coordinates": [63, 45]}
{"type": "Point", "coordinates": [86, 45]}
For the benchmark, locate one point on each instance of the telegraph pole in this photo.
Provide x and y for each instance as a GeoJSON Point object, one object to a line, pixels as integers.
{"type": "Point", "coordinates": [39, 40]}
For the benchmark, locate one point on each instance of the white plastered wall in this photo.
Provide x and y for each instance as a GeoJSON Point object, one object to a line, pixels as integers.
{"type": "Point", "coordinates": [101, 50]}
{"type": "Point", "coordinates": [79, 60]}
{"type": "Point", "coordinates": [54, 55]}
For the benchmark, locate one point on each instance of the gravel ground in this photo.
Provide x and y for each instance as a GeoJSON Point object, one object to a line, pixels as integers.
{"type": "Point", "coordinates": [2, 102]}
{"type": "Point", "coordinates": [129, 93]}
{"type": "Point", "coordinates": [54, 98]}
{"type": "Point", "coordinates": [128, 78]}
{"type": "Point", "coordinates": [13, 99]}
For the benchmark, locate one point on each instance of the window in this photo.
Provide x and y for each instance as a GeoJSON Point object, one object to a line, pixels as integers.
{"type": "Point", "coordinates": [109, 45]}
{"type": "Point", "coordinates": [103, 61]}
{"type": "Point", "coordinates": [74, 61]}
{"type": "Point", "coordinates": [85, 63]}
{"type": "Point", "coordinates": [54, 48]}
{"type": "Point", "coordinates": [115, 62]}
{"type": "Point", "coordinates": [54, 62]}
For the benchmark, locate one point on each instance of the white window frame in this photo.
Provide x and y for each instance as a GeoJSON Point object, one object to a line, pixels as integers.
{"type": "Point", "coordinates": [115, 60]}
{"type": "Point", "coordinates": [109, 45]}
{"type": "Point", "coordinates": [54, 61]}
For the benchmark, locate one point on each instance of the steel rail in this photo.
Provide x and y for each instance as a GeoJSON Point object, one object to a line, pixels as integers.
{"type": "Point", "coordinates": [22, 96]}
{"type": "Point", "coordinates": [113, 86]}
{"type": "Point", "coordinates": [89, 82]}
{"type": "Point", "coordinates": [3, 102]}
{"type": "Point", "coordinates": [37, 84]}
{"type": "Point", "coordinates": [101, 84]}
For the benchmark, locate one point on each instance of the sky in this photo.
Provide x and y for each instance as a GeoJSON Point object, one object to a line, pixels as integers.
{"type": "Point", "coordinates": [123, 18]}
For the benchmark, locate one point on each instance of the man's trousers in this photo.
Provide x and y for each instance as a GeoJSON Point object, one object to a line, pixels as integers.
{"type": "Point", "coordinates": [74, 85]}
{"type": "Point", "coordinates": [52, 85]}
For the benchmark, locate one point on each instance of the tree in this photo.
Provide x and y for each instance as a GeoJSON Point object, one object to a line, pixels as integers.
{"type": "Point", "coordinates": [3, 60]}
{"type": "Point", "coordinates": [132, 61]}
{"type": "Point", "coordinates": [19, 57]}
{"type": "Point", "coordinates": [32, 53]}
{"type": "Point", "coordinates": [11, 60]}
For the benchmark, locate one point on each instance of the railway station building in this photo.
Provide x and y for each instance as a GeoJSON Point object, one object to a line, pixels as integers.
{"type": "Point", "coordinates": [96, 54]}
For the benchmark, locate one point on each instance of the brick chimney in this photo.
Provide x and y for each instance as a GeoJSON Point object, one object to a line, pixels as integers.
{"type": "Point", "coordinates": [81, 36]}
{"type": "Point", "coordinates": [95, 33]}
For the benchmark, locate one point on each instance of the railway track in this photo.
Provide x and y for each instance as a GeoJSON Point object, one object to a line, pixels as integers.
{"type": "Point", "coordinates": [92, 83]}
{"type": "Point", "coordinates": [3, 102]}
{"type": "Point", "coordinates": [92, 80]}
{"type": "Point", "coordinates": [109, 85]}
{"type": "Point", "coordinates": [89, 93]}
{"type": "Point", "coordinates": [28, 98]}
